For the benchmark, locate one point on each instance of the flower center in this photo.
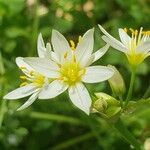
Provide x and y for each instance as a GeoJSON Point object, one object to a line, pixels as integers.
{"type": "Point", "coordinates": [71, 72]}
{"type": "Point", "coordinates": [32, 77]}
{"type": "Point", "coordinates": [137, 38]}
{"type": "Point", "coordinates": [136, 59]}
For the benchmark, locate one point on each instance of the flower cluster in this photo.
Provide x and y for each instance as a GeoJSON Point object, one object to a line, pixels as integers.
{"type": "Point", "coordinates": [62, 66]}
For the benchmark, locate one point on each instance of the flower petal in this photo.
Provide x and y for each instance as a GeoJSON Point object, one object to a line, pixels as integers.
{"type": "Point", "coordinates": [60, 44]}
{"type": "Point", "coordinates": [112, 41]}
{"type": "Point", "coordinates": [21, 63]}
{"type": "Point", "coordinates": [80, 97]}
{"type": "Point", "coordinates": [98, 54]}
{"type": "Point", "coordinates": [85, 47]}
{"type": "Point", "coordinates": [54, 57]}
{"type": "Point", "coordinates": [53, 89]}
{"type": "Point", "coordinates": [48, 51]}
{"type": "Point", "coordinates": [114, 44]}
{"type": "Point", "coordinates": [125, 39]}
{"type": "Point", "coordinates": [41, 46]}
{"type": "Point", "coordinates": [144, 47]}
{"type": "Point", "coordinates": [96, 74]}
{"type": "Point", "coordinates": [44, 66]}
{"type": "Point", "coordinates": [21, 92]}
{"type": "Point", "coordinates": [32, 98]}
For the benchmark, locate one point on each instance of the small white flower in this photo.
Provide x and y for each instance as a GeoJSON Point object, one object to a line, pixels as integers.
{"type": "Point", "coordinates": [34, 82]}
{"type": "Point", "coordinates": [136, 47]}
{"type": "Point", "coordinates": [69, 67]}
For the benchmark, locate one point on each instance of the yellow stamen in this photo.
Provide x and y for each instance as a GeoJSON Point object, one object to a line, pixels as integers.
{"type": "Point", "coordinates": [74, 59]}
{"type": "Point", "coordinates": [125, 29]}
{"type": "Point", "coordinates": [79, 39]}
{"type": "Point", "coordinates": [65, 55]}
{"type": "Point", "coordinates": [72, 44]}
{"type": "Point", "coordinates": [23, 84]}
{"type": "Point", "coordinates": [71, 72]}
{"type": "Point", "coordinates": [23, 77]}
{"type": "Point", "coordinates": [137, 38]}
{"type": "Point", "coordinates": [31, 73]}
{"type": "Point", "coordinates": [22, 68]}
{"type": "Point", "coordinates": [59, 65]}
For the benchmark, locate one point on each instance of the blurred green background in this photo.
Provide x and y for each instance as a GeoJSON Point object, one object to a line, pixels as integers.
{"type": "Point", "coordinates": [56, 124]}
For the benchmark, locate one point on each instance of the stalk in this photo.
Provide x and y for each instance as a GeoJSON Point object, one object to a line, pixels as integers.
{"type": "Point", "coordinates": [127, 135]}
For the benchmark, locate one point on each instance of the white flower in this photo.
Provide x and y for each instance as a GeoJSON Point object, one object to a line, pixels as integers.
{"type": "Point", "coordinates": [69, 67]}
{"type": "Point", "coordinates": [136, 47]}
{"type": "Point", "coordinates": [34, 82]}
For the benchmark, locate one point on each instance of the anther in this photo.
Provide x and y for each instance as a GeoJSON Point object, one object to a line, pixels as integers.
{"type": "Point", "coordinates": [79, 39]}
{"type": "Point", "coordinates": [72, 44]}
{"type": "Point", "coordinates": [125, 29]}
{"type": "Point", "coordinates": [22, 68]}
{"type": "Point", "coordinates": [23, 77]}
{"type": "Point", "coordinates": [65, 55]}
{"type": "Point", "coordinates": [23, 84]}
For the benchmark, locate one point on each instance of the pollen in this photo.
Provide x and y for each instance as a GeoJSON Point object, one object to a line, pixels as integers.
{"type": "Point", "coordinates": [72, 45]}
{"type": "Point", "coordinates": [71, 72]}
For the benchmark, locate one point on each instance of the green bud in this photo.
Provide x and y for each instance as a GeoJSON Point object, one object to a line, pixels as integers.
{"type": "Point", "coordinates": [109, 99]}
{"type": "Point", "coordinates": [116, 82]}
{"type": "Point", "coordinates": [100, 105]}
{"type": "Point", "coordinates": [106, 105]}
{"type": "Point", "coordinates": [147, 144]}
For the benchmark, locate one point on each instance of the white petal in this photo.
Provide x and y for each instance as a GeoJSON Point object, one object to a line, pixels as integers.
{"type": "Point", "coordinates": [44, 66]}
{"type": "Point", "coordinates": [98, 54]}
{"type": "Point", "coordinates": [60, 44]}
{"type": "Point", "coordinates": [89, 61]}
{"type": "Point", "coordinates": [80, 97]}
{"type": "Point", "coordinates": [144, 47]}
{"type": "Point", "coordinates": [54, 57]}
{"type": "Point", "coordinates": [53, 89]}
{"type": "Point", "coordinates": [85, 47]}
{"type": "Point", "coordinates": [21, 63]}
{"type": "Point", "coordinates": [32, 98]}
{"type": "Point", "coordinates": [112, 41]}
{"type": "Point", "coordinates": [41, 46]}
{"type": "Point", "coordinates": [115, 44]}
{"type": "Point", "coordinates": [96, 74]}
{"type": "Point", "coordinates": [48, 51]}
{"type": "Point", "coordinates": [21, 92]}
{"type": "Point", "coordinates": [125, 39]}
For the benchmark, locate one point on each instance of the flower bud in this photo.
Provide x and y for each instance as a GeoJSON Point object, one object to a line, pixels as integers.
{"type": "Point", "coordinates": [116, 82]}
{"type": "Point", "coordinates": [100, 105]}
{"type": "Point", "coordinates": [147, 144]}
{"type": "Point", "coordinates": [106, 105]}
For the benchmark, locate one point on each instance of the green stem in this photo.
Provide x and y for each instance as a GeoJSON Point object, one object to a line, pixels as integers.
{"type": "Point", "coordinates": [2, 111]}
{"type": "Point", "coordinates": [54, 117]}
{"type": "Point", "coordinates": [74, 141]}
{"type": "Point", "coordinates": [129, 95]}
{"type": "Point", "coordinates": [147, 93]}
{"type": "Point", "coordinates": [34, 28]}
{"type": "Point", "coordinates": [127, 135]}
